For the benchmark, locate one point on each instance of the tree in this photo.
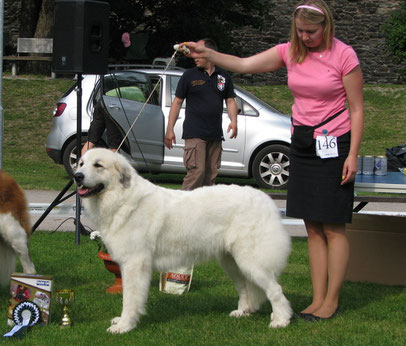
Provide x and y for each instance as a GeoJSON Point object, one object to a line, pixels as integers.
{"type": "Point", "coordinates": [166, 21]}
{"type": "Point", "coordinates": [29, 17]}
{"type": "Point", "coordinates": [45, 22]}
{"type": "Point", "coordinates": [173, 21]}
{"type": "Point", "coordinates": [395, 33]}
{"type": "Point", "coordinates": [36, 20]}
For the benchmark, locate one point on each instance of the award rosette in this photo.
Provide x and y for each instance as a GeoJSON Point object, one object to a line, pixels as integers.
{"type": "Point", "coordinates": [25, 314]}
{"type": "Point", "coordinates": [26, 311]}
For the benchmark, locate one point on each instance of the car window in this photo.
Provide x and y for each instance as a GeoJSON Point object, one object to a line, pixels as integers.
{"type": "Point", "coordinates": [174, 80]}
{"type": "Point", "coordinates": [174, 84]}
{"type": "Point", "coordinates": [250, 95]}
{"type": "Point", "coordinates": [157, 88]}
{"type": "Point", "coordinates": [129, 85]}
{"type": "Point", "coordinates": [95, 97]}
{"type": "Point", "coordinates": [247, 109]}
{"type": "Point", "coordinates": [244, 108]}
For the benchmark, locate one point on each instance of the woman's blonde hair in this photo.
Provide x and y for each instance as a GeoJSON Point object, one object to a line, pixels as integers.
{"type": "Point", "coordinates": [308, 12]}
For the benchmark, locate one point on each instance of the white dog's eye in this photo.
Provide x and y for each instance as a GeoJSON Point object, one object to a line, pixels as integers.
{"type": "Point", "coordinates": [98, 165]}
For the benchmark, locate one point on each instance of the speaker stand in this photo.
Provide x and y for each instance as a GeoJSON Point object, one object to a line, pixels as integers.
{"type": "Point", "coordinates": [78, 151]}
{"type": "Point", "coordinates": [59, 199]}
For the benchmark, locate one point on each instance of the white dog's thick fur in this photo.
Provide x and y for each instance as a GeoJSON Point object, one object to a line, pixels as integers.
{"type": "Point", "coordinates": [146, 227]}
{"type": "Point", "coordinates": [14, 229]}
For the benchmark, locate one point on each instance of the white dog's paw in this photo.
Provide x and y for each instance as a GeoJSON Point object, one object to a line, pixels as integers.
{"type": "Point", "coordinates": [30, 269]}
{"type": "Point", "coordinates": [279, 323]}
{"type": "Point", "coordinates": [94, 234]}
{"type": "Point", "coordinates": [119, 328]}
{"type": "Point", "coordinates": [239, 313]}
{"type": "Point", "coordinates": [115, 320]}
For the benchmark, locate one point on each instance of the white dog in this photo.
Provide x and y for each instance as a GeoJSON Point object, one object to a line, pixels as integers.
{"type": "Point", "coordinates": [147, 227]}
{"type": "Point", "coordinates": [15, 229]}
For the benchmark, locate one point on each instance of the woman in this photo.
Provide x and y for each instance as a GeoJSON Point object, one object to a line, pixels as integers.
{"type": "Point", "coordinates": [323, 74]}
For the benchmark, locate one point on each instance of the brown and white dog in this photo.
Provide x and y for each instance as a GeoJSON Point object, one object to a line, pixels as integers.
{"type": "Point", "coordinates": [15, 229]}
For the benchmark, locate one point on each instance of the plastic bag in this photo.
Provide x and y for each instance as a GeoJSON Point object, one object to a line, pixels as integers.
{"type": "Point", "coordinates": [396, 157]}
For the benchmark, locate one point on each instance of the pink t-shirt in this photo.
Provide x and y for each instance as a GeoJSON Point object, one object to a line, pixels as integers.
{"type": "Point", "coordinates": [317, 86]}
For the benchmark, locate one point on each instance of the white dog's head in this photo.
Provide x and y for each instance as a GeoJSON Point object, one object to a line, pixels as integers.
{"type": "Point", "coordinates": [101, 169]}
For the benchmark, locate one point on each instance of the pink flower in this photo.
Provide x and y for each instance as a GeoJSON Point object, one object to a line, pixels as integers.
{"type": "Point", "coordinates": [125, 38]}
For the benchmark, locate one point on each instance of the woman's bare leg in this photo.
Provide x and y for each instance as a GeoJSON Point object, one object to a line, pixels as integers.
{"type": "Point", "coordinates": [318, 259]}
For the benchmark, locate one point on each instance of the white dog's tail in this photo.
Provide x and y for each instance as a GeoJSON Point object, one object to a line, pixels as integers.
{"type": "Point", "coordinates": [7, 263]}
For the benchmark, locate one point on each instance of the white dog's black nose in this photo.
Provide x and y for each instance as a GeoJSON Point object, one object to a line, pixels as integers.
{"type": "Point", "coordinates": [79, 178]}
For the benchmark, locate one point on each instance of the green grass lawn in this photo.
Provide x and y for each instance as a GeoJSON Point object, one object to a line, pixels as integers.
{"type": "Point", "coordinates": [371, 314]}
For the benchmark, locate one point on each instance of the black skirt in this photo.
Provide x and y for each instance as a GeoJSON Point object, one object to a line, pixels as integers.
{"type": "Point", "coordinates": [314, 190]}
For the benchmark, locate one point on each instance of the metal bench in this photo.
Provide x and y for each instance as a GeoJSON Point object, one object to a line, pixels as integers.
{"type": "Point", "coordinates": [362, 200]}
{"type": "Point", "coordinates": [31, 46]}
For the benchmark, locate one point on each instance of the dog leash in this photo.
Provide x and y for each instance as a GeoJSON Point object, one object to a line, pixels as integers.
{"type": "Point", "coordinates": [176, 48]}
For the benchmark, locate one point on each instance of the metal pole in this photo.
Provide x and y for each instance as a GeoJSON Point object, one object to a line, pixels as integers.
{"type": "Point", "coordinates": [78, 150]}
{"type": "Point", "coordinates": [1, 82]}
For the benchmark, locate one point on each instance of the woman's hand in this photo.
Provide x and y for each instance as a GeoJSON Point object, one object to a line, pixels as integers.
{"type": "Point", "coordinates": [193, 49]}
{"type": "Point", "coordinates": [349, 169]}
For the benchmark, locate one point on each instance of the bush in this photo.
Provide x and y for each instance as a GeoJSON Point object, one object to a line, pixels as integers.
{"type": "Point", "coordinates": [395, 33]}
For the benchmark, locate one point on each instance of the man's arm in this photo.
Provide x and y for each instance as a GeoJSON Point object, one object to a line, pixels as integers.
{"type": "Point", "coordinates": [88, 145]}
{"type": "Point", "coordinates": [232, 110]}
{"type": "Point", "coordinates": [96, 129]}
{"type": "Point", "coordinates": [170, 138]}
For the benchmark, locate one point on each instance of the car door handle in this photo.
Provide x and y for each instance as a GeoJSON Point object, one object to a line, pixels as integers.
{"type": "Point", "coordinates": [115, 107]}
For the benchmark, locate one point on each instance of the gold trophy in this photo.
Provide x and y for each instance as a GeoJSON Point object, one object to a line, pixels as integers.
{"type": "Point", "coordinates": [65, 298]}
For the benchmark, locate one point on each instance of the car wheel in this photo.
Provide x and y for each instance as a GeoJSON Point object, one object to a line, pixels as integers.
{"type": "Point", "coordinates": [271, 167]}
{"type": "Point", "coordinates": [70, 155]}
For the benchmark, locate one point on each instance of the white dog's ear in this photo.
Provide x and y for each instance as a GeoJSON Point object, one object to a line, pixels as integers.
{"type": "Point", "coordinates": [125, 173]}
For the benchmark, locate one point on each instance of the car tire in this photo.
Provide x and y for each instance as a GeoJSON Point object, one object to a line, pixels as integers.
{"type": "Point", "coordinates": [70, 155]}
{"type": "Point", "coordinates": [270, 167]}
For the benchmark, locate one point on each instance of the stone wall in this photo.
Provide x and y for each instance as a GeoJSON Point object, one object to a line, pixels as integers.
{"type": "Point", "coordinates": [357, 24]}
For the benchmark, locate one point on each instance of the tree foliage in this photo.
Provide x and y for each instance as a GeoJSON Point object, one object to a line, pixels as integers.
{"type": "Point", "coordinates": [173, 21]}
{"type": "Point", "coordinates": [395, 33]}
{"type": "Point", "coordinates": [165, 22]}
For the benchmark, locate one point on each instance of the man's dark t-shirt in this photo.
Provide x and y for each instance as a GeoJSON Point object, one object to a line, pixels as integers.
{"type": "Point", "coordinates": [204, 96]}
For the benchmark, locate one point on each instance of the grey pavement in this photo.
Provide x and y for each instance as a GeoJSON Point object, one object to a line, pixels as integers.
{"type": "Point", "coordinates": [55, 220]}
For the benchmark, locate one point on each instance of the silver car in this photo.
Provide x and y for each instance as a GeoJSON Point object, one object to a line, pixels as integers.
{"type": "Point", "coordinates": [144, 95]}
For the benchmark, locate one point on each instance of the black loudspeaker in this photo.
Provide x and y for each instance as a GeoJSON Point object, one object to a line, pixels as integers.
{"type": "Point", "coordinates": [81, 36]}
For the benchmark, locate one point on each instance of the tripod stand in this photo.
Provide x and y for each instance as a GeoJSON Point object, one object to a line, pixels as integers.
{"type": "Point", "coordinates": [60, 198]}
